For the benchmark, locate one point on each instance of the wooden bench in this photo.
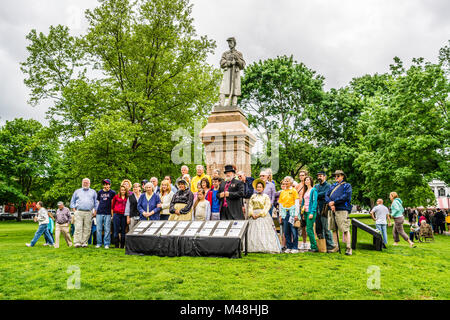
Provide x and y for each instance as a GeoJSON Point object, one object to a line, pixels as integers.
{"type": "Point", "coordinates": [377, 238]}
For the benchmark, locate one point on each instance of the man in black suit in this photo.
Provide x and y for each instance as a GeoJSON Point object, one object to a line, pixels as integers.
{"type": "Point", "coordinates": [230, 194]}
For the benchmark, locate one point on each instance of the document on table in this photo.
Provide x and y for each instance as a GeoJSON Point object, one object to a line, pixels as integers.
{"type": "Point", "coordinates": [234, 233]}
{"type": "Point", "coordinates": [210, 224]}
{"type": "Point", "coordinates": [164, 231]}
{"type": "Point", "coordinates": [150, 231]}
{"type": "Point", "coordinates": [177, 232]}
{"type": "Point", "coordinates": [223, 225]}
{"type": "Point", "coordinates": [219, 232]}
{"type": "Point", "coordinates": [143, 224]}
{"type": "Point", "coordinates": [191, 232]}
{"type": "Point", "coordinates": [170, 224]}
{"type": "Point", "coordinates": [183, 224]}
{"type": "Point", "coordinates": [157, 224]}
{"type": "Point", "coordinates": [196, 224]}
{"type": "Point", "coordinates": [237, 224]}
{"type": "Point", "coordinates": [205, 232]}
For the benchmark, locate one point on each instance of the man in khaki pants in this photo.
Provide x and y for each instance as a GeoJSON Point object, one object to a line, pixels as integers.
{"type": "Point", "coordinates": [84, 203]}
{"type": "Point", "coordinates": [63, 220]}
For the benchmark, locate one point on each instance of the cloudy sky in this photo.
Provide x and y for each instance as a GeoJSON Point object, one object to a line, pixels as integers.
{"type": "Point", "coordinates": [339, 39]}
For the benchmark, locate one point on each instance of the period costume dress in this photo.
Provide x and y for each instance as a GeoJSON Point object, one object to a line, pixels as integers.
{"type": "Point", "coordinates": [262, 235]}
{"type": "Point", "coordinates": [183, 201]}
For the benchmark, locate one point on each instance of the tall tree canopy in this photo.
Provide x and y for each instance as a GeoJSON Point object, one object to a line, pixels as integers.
{"type": "Point", "coordinates": [388, 132]}
{"type": "Point", "coordinates": [405, 133]}
{"type": "Point", "coordinates": [28, 160]}
{"type": "Point", "coordinates": [121, 89]}
{"type": "Point", "coordinates": [276, 93]}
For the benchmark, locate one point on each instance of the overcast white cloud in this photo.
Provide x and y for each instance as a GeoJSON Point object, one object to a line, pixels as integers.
{"type": "Point", "coordinates": [339, 39]}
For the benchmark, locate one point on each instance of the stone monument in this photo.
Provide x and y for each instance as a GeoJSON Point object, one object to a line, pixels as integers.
{"type": "Point", "coordinates": [227, 137]}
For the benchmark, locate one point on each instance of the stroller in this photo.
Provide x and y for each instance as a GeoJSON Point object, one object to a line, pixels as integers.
{"type": "Point", "coordinates": [426, 232]}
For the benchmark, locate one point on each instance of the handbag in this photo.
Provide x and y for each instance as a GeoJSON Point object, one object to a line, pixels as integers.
{"type": "Point", "coordinates": [297, 224]}
{"type": "Point", "coordinates": [322, 245]}
{"type": "Point", "coordinates": [324, 212]}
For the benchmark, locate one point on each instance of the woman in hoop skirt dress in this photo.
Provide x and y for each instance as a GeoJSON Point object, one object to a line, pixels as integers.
{"type": "Point", "coordinates": [262, 235]}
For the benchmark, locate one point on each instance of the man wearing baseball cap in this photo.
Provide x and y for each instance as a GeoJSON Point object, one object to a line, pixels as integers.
{"type": "Point", "coordinates": [104, 198]}
{"type": "Point", "coordinates": [339, 199]}
{"type": "Point", "coordinates": [63, 220]}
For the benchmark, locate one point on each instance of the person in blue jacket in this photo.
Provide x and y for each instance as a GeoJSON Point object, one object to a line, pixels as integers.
{"type": "Point", "coordinates": [339, 199]}
{"type": "Point", "coordinates": [309, 210]}
{"type": "Point", "coordinates": [148, 202]}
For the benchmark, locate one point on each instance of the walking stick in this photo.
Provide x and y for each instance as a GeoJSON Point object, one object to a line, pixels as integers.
{"type": "Point", "coordinates": [325, 209]}
{"type": "Point", "coordinates": [337, 231]}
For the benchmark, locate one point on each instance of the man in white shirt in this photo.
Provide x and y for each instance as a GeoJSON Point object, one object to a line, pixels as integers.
{"type": "Point", "coordinates": [379, 214]}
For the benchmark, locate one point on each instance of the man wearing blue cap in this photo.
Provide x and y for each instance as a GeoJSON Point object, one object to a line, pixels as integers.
{"type": "Point", "coordinates": [104, 198]}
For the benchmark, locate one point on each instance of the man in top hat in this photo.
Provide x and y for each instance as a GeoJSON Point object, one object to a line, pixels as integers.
{"type": "Point", "coordinates": [232, 62]}
{"type": "Point", "coordinates": [339, 199]}
{"type": "Point", "coordinates": [231, 193]}
{"type": "Point", "coordinates": [143, 183]}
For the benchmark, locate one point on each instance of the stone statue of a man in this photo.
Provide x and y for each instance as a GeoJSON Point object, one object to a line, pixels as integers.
{"type": "Point", "coordinates": [232, 62]}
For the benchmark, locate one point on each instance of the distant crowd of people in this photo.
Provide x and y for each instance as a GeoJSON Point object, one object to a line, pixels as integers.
{"type": "Point", "coordinates": [436, 218]}
{"type": "Point", "coordinates": [311, 211]}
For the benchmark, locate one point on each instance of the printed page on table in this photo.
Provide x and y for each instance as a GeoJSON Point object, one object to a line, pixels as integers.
{"type": "Point", "coordinates": [210, 224]}
{"type": "Point", "coordinates": [183, 224]}
{"type": "Point", "coordinates": [177, 232]}
{"type": "Point", "coordinates": [219, 232]}
{"type": "Point", "coordinates": [144, 224]}
{"type": "Point", "coordinates": [191, 232]}
{"type": "Point", "coordinates": [150, 231]}
{"type": "Point", "coordinates": [164, 231]}
{"type": "Point", "coordinates": [234, 233]}
{"type": "Point", "coordinates": [196, 224]}
{"type": "Point", "coordinates": [223, 224]}
{"type": "Point", "coordinates": [237, 224]}
{"type": "Point", "coordinates": [205, 232]}
{"type": "Point", "coordinates": [170, 224]}
{"type": "Point", "coordinates": [157, 224]}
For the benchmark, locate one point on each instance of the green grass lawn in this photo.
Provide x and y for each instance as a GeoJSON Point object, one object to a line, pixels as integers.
{"type": "Point", "coordinates": [42, 272]}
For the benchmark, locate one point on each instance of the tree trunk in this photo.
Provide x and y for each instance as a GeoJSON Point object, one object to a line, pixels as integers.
{"type": "Point", "coordinates": [20, 209]}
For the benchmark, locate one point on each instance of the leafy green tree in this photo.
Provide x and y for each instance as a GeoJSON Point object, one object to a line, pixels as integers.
{"type": "Point", "coordinates": [275, 94]}
{"type": "Point", "coordinates": [332, 125]}
{"type": "Point", "coordinates": [405, 132]}
{"type": "Point", "coordinates": [123, 88]}
{"type": "Point", "coordinates": [28, 156]}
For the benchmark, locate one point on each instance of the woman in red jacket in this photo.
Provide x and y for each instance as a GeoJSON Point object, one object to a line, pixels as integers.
{"type": "Point", "coordinates": [118, 204]}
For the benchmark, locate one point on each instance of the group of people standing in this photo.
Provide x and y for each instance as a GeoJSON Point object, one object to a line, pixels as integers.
{"type": "Point", "coordinates": [304, 208]}
{"type": "Point", "coordinates": [436, 218]}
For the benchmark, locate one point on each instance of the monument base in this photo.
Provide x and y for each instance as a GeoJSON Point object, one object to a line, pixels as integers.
{"type": "Point", "coordinates": [228, 140]}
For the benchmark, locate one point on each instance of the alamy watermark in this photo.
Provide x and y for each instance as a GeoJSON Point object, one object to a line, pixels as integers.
{"type": "Point", "coordinates": [227, 148]}
{"type": "Point", "coordinates": [374, 280]}
{"type": "Point", "coordinates": [74, 280]}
